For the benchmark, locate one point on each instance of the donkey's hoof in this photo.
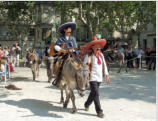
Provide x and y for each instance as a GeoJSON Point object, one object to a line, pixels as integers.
{"type": "Point", "coordinates": [65, 106]}
{"type": "Point", "coordinates": [74, 111]}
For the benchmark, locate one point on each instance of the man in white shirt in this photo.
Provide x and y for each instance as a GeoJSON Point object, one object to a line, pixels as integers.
{"type": "Point", "coordinates": [16, 50]}
{"type": "Point", "coordinates": [139, 53]}
{"type": "Point", "coordinates": [98, 71]}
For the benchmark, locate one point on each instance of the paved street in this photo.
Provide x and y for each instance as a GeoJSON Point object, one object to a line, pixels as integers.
{"type": "Point", "coordinates": [130, 97]}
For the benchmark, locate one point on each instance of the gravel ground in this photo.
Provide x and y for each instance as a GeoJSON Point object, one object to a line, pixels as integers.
{"type": "Point", "coordinates": [129, 97]}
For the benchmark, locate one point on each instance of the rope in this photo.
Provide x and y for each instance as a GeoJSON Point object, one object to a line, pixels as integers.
{"type": "Point", "coordinates": [140, 57]}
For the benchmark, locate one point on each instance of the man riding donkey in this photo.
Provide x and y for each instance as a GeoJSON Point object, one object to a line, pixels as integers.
{"type": "Point", "coordinates": [98, 70]}
{"type": "Point", "coordinates": [65, 44]}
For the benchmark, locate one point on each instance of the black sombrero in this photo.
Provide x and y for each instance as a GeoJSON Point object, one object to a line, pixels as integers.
{"type": "Point", "coordinates": [66, 25]}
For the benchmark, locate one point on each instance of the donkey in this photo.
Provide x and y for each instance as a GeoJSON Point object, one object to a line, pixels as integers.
{"type": "Point", "coordinates": [34, 63]}
{"type": "Point", "coordinates": [74, 76]}
{"type": "Point", "coordinates": [118, 59]}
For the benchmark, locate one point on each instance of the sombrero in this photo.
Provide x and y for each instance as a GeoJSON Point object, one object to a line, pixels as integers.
{"type": "Point", "coordinates": [101, 44]}
{"type": "Point", "coordinates": [66, 25]}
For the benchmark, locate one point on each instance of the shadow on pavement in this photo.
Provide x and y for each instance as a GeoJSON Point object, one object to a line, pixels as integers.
{"type": "Point", "coordinates": [37, 107]}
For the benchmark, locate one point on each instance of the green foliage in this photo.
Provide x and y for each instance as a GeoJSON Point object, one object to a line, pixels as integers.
{"type": "Point", "coordinates": [18, 11]}
{"type": "Point", "coordinates": [112, 15]}
{"type": "Point", "coordinates": [118, 15]}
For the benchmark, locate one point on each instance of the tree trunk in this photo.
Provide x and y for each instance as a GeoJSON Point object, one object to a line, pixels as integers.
{"type": "Point", "coordinates": [90, 33]}
{"type": "Point", "coordinates": [138, 38]}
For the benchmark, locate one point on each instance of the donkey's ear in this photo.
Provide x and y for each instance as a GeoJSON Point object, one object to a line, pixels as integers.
{"type": "Point", "coordinates": [34, 51]}
{"type": "Point", "coordinates": [31, 51]}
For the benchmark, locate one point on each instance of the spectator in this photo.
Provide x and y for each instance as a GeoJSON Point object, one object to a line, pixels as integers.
{"type": "Point", "coordinates": [120, 49]}
{"type": "Point", "coordinates": [6, 53]}
{"type": "Point", "coordinates": [153, 58]}
{"type": "Point", "coordinates": [129, 57]}
{"type": "Point", "coordinates": [139, 53]}
{"type": "Point", "coordinates": [26, 57]}
{"type": "Point", "coordinates": [16, 53]}
{"type": "Point", "coordinates": [3, 70]}
{"type": "Point", "coordinates": [1, 53]}
{"type": "Point", "coordinates": [147, 58]}
{"type": "Point", "coordinates": [110, 54]}
{"type": "Point", "coordinates": [46, 51]}
{"type": "Point", "coordinates": [40, 53]}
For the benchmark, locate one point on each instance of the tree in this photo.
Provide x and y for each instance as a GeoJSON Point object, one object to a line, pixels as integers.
{"type": "Point", "coordinates": [18, 16]}
{"type": "Point", "coordinates": [92, 14]}
{"type": "Point", "coordinates": [120, 16]}
{"type": "Point", "coordinates": [145, 14]}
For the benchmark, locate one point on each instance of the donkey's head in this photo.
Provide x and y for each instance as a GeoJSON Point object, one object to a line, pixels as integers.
{"type": "Point", "coordinates": [31, 57]}
{"type": "Point", "coordinates": [81, 76]}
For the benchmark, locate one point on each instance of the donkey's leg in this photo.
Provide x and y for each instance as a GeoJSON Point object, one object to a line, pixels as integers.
{"type": "Point", "coordinates": [36, 70]}
{"type": "Point", "coordinates": [126, 68]}
{"type": "Point", "coordinates": [67, 98]}
{"type": "Point", "coordinates": [62, 96]}
{"type": "Point", "coordinates": [73, 101]}
{"type": "Point", "coordinates": [51, 71]}
{"type": "Point", "coordinates": [120, 67]}
{"type": "Point", "coordinates": [119, 70]}
{"type": "Point", "coordinates": [33, 73]}
{"type": "Point", "coordinates": [48, 70]}
{"type": "Point", "coordinates": [38, 66]}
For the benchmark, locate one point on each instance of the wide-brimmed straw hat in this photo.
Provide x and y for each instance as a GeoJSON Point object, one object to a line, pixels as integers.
{"type": "Point", "coordinates": [100, 44]}
{"type": "Point", "coordinates": [66, 25]}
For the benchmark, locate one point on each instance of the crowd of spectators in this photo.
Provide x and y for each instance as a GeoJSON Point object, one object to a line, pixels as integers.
{"type": "Point", "coordinates": [9, 58]}
{"type": "Point", "coordinates": [134, 57]}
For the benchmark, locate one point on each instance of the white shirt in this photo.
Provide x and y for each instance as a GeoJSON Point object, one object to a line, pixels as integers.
{"type": "Point", "coordinates": [57, 48]}
{"type": "Point", "coordinates": [6, 53]}
{"type": "Point", "coordinates": [139, 53]}
{"type": "Point", "coordinates": [97, 71]}
{"type": "Point", "coordinates": [130, 51]}
{"type": "Point", "coordinates": [67, 37]}
{"type": "Point", "coordinates": [18, 48]}
{"type": "Point", "coordinates": [121, 50]}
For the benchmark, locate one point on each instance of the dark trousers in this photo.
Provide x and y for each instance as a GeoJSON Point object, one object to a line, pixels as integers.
{"type": "Point", "coordinates": [153, 60]}
{"type": "Point", "coordinates": [129, 61]}
{"type": "Point", "coordinates": [138, 61]}
{"type": "Point", "coordinates": [94, 96]}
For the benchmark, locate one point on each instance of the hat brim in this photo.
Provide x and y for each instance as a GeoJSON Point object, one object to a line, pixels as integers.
{"type": "Point", "coordinates": [66, 25]}
{"type": "Point", "coordinates": [99, 43]}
